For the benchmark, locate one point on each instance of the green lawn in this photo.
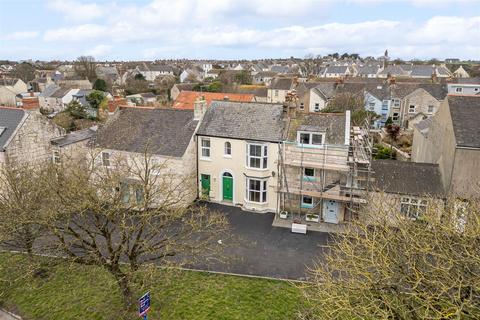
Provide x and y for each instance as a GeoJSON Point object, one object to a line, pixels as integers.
{"type": "Point", "coordinates": [85, 292]}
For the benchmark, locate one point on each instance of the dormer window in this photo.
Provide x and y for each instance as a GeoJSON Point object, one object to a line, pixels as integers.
{"type": "Point", "coordinates": [310, 138]}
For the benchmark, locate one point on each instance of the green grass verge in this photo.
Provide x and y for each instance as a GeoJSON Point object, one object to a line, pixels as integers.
{"type": "Point", "coordinates": [88, 292]}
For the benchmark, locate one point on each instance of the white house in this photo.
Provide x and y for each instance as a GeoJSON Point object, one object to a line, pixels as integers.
{"type": "Point", "coordinates": [238, 153]}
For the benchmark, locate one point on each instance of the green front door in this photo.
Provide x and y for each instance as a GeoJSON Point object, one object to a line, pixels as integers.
{"type": "Point", "coordinates": [227, 187]}
{"type": "Point", "coordinates": [205, 178]}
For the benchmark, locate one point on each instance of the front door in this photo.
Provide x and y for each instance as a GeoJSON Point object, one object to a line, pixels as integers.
{"type": "Point", "coordinates": [205, 179]}
{"type": "Point", "coordinates": [330, 211]}
{"type": "Point", "coordinates": [227, 181]}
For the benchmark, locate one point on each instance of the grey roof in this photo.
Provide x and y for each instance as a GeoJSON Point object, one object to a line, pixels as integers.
{"type": "Point", "coordinates": [60, 93]}
{"type": "Point", "coordinates": [422, 71]}
{"type": "Point", "coordinates": [333, 124]}
{"type": "Point", "coordinates": [243, 120]}
{"type": "Point", "coordinates": [437, 90]}
{"type": "Point", "coordinates": [394, 71]}
{"type": "Point", "coordinates": [279, 69]}
{"type": "Point", "coordinates": [326, 89]}
{"type": "Point", "coordinates": [410, 178]}
{"type": "Point", "coordinates": [475, 80]}
{"type": "Point", "coordinates": [164, 132]}
{"type": "Point", "coordinates": [74, 137]}
{"type": "Point", "coordinates": [10, 119]}
{"type": "Point", "coordinates": [282, 84]}
{"type": "Point", "coordinates": [424, 126]}
{"type": "Point", "coordinates": [265, 74]}
{"type": "Point", "coordinates": [49, 90]}
{"type": "Point", "coordinates": [465, 114]}
{"type": "Point", "coordinates": [368, 69]}
{"type": "Point", "coordinates": [336, 69]}
{"type": "Point", "coordinates": [8, 81]}
{"type": "Point", "coordinates": [380, 91]}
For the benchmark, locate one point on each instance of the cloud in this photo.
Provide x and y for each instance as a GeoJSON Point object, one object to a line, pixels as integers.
{"type": "Point", "coordinates": [99, 51]}
{"type": "Point", "coordinates": [21, 35]}
{"type": "Point", "coordinates": [76, 33]}
{"type": "Point", "coordinates": [77, 11]}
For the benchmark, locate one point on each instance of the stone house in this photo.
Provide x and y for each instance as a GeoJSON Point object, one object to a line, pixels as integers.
{"type": "Point", "coordinates": [9, 89]}
{"type": "Point", "coordinates": [25, 136]}
{"type": "Point", "coordinates": [163, 136]}
{"type": "Point", "coordinates": [238, 154]}
{"type": "Point", "coordinates": [452, 140]}
{"type": "Point", "coordinates": [406, 187]}
{"type": "Point", "coordinates": [320, 95]}
{"type": "Point", "coordinates": [278, 89]}
{"type": "Point", "coordinates": [72, 146]}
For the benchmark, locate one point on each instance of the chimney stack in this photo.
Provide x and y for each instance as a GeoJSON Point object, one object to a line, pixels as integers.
{"type": "Point", "coordinates": [199, 107]}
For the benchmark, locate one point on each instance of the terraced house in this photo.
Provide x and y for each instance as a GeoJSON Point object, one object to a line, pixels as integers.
{"type": "Point", "coordinates": [238, 146]}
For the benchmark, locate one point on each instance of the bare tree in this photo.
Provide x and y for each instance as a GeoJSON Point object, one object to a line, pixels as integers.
{"type": "Point", "coordinates": [85, 67]}
{"type": "Point", "coordinates": [392, 267]}
{"type": "Point", "coordinates": [22, 202]}
{"type": "Point", "coordinates": [24, 71]}
{"type": "Point", "coordinates": [135, 214]}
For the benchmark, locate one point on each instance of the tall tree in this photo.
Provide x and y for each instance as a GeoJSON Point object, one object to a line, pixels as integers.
{"type": "Point", "coordinates": [24, 71]}
{"type": "Point", "coordinates": [132, 214]}
{"type": "Point", "coordinates": [398, 268]}
{"type": "Point", "coordinates": [85, 67]}
{"type": "Point", "coordinates": [100, 85]}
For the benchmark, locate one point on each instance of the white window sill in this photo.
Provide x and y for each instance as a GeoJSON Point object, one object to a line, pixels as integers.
{"type": "Point", "coordinates": [257, 169]}
{"type": "Point", "coordinates": [206, 159]}
{"type": "Point", "coordinates": [227, 156]}
{"type": "Point", "coordinates": [256, 203]}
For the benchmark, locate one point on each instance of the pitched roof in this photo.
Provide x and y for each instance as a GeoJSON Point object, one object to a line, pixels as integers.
{"type": "Point", "coordinates": [164, 132]}
{"type": "Point", "coordinates": [333, 124]}
{"type": "Point", "coordinates": [10, 119]}
{"type": "Point", "coordinates": [186, 99]}
{"type": "Point", "coordinates": [281, 84]}
{"type": "Point", "coordinates": [465, 114]}
{"type": "Point", "coordinates": [240, 120]}
{"type": "Point", "coordinates": [74, 137]}
{"type": "Point", "coordinates": [337, 69]}
{"type": "Point", "coordinates": [410, 178]}
{"type": "Point", "coordinates": [368, 69]}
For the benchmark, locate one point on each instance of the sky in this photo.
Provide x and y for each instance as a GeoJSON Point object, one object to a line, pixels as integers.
{"type": "Point", "coordinates": [237, 29]}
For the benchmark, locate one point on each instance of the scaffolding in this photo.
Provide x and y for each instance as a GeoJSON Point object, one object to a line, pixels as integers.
{"type": "Point", "coordinates": [344, 175]}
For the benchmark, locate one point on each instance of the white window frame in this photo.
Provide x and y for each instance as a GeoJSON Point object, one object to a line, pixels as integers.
{"type": "Point", "coordinates": [428, 109]}
{"type": "Point", "coordinates": [207, 149]}
{"type": "Point", "coordinates": [316, 107]}
{"type": "Point", "coordinates": [263, 158]}
{"type": "Point", "coordinates": [410, 108]}
{"type": "Point", "coordinates": [310, 139]}
{"type": "Point", "coordinates": [262, 192]}
{"type": "Point", "coordinates": [227, 152]}
{"type": "Point", "coordinates": [307, 205]}
{"type": "Point", "coordinates": [307, 177]}
{"type": "Point", "coordinates": [275, 93]}
{"type": "Point", "coordinates": [56, 157]}
{"type": "Point", "coordinates": [396, 103]}
{"type": "Point", "coordinates": [106, 159]}
{"type": "Point", "coordinates": [458, 90]}
{"type": "Point", "coordinates": [413, 207]}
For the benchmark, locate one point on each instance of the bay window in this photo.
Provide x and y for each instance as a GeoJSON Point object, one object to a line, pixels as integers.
{"type": "Point", "coordinates": [257, 156]}
{"type": "Point", "coordinates": [257, 190]}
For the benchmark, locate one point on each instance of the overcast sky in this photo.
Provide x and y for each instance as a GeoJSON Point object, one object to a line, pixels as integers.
{"type": "Point", "coordinates": [237, 29]}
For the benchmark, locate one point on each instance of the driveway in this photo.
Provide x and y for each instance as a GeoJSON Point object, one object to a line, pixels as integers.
{"type": "Point", "coordinates": [265, 250]}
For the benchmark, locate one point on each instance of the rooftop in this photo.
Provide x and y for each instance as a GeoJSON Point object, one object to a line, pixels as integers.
{"type": "Point", "coordinates": [186, 99]}
{"type": "Point", "coordinates": [465, 113]}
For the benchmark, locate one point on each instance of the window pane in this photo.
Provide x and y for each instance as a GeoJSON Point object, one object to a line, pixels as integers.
{"type": "Point", "coordinates": [205, 152]}
{"type": "Point", "coordinates": [254, 184]}
{"type": "Point", "coordinates": [255, 150]}
{"type": "Point", "coordinates": [305, 138]}
{"type": "Point", "coordinates": [255, 196]}
{"type": "Point", "coordinates": [254, 162]}
{"type": "Point", "coordinates": [316, 139]}
{"type": "Point", "coordinates": [205, 143]}
{"type": "Point", "coordinates": [265, 162]}
{"type": "Point", "coordinates": [307, 200]}
{"type": "Point", "coordinates": [309, 172]}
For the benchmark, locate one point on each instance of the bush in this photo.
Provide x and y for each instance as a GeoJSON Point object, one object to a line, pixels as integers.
{"type": "Point", "coordinates": [76, 110]}
{"type": "Point", "coordinates": [384, 152]}
{"type": "Point", "coordinates": [64, 120]}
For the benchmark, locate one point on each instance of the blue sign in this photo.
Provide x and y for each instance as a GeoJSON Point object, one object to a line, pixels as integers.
{"type": "Point", "coordinates": [144, 303]}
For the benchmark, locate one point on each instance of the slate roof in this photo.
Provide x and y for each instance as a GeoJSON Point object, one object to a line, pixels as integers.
{"type": "Point", "coordinates": [437, 90]}
{"type": "Point", "coordinates": [465, 114]}
{"type": "Point", "coordinates": [326, 89]}
{"type": "Point", "coordinates": [246, 121]}
{"type": "Point", "coordinates": [10, 119]}
{"type": "Point", "coordinates": [366, 70]}
{"type": "Point", "coordinates": [333, 124]}
{"type": "Point", "coordinates": [394, 71]}
{"type": "Point", "coordinates": [166, 132]}
{"type": "Point", "coordinates": [409, 178]}
{"type": "Point", "coordinates": [60, 93]}
{"type": "Point", "coordinates": [424, 126]}
{"type": "Point", "coordinates": [337, 69]}
{"type": "Point", "coordinates": [380, 91]}
{"type": "Point", "coordinates": [422, 71]}
{"type": "Point", "coordinates": [74, 137]}
{"type": "Point", "coordinates": [8, 81]}
{"type": "Point", "coordinates": [281, 84]}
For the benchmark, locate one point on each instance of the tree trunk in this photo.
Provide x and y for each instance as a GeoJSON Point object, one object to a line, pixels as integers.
{"type": "Point", "coordinates": [123, 282]}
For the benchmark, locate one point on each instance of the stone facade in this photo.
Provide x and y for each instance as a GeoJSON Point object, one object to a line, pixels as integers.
{"type": "Point", "coordinates": [31, 141]}
{"type": "Point", "coordinates": [419, 102]}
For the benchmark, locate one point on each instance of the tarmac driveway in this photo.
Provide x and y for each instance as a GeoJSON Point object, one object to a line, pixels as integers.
{"type": "Point", "coordinates": [265, 250]}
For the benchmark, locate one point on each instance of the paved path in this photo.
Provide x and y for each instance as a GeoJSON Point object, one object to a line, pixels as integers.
{"type": "Point", "coordinates": [266, 250]}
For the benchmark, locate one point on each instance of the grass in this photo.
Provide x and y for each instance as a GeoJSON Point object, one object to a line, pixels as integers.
{"type": "Point", "coordinates": [88, 292]}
